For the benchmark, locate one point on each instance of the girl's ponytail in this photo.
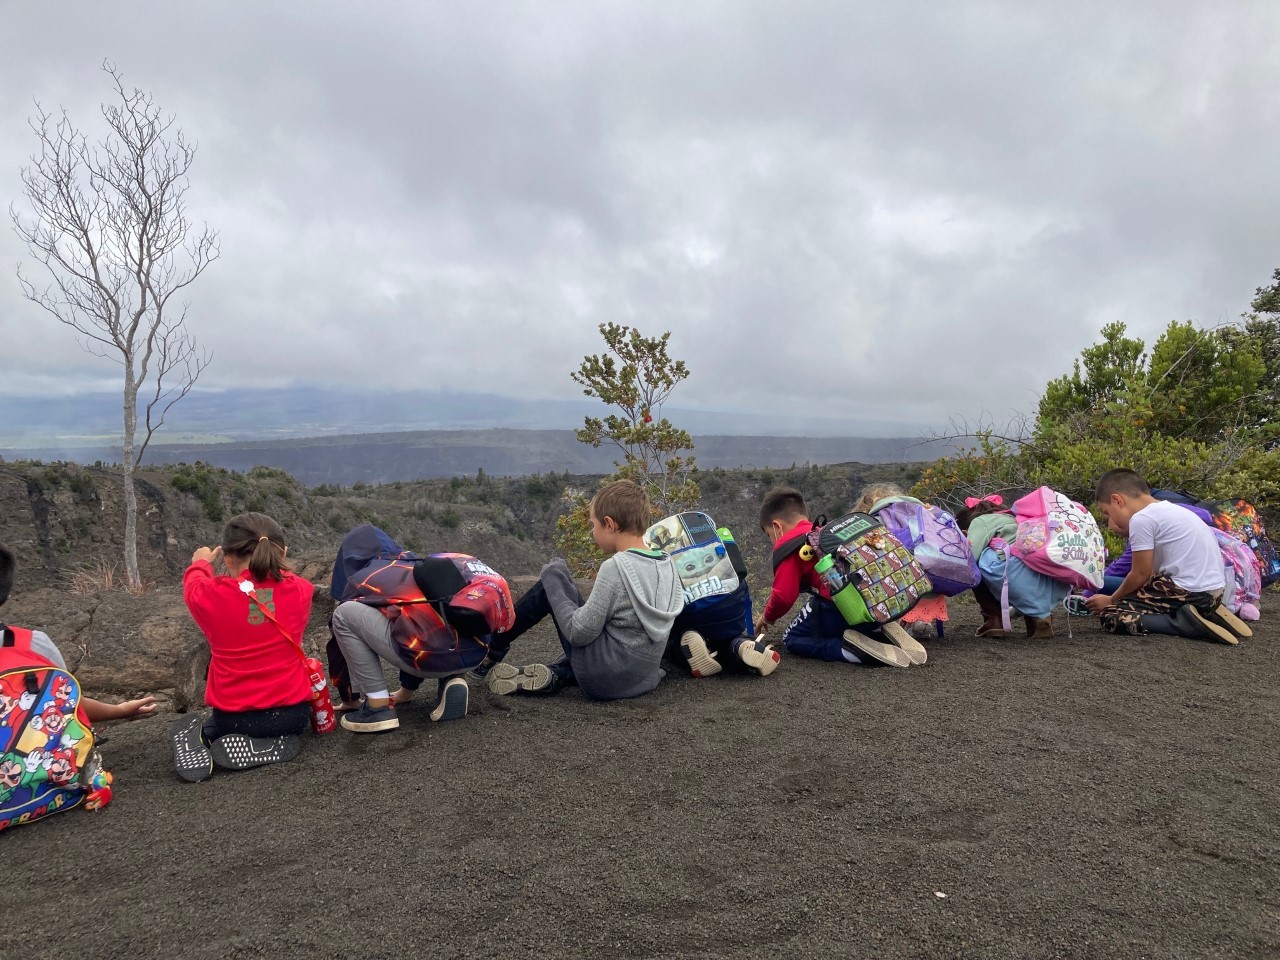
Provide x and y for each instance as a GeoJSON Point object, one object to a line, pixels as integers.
{"type": "Point", "coordinates": [260, 540]}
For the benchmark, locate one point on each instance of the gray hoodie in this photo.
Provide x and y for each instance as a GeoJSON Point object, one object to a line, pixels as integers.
{"type": "Point", "coordinates": [617, 637]}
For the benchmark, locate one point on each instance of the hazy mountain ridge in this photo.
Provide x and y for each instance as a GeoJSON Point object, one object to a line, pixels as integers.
{"type": "Point", "coordinates": [411, 455]}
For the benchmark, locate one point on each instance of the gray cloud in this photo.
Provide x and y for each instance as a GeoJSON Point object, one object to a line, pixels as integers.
{"type": "Point", "coordinates": [906, 211]}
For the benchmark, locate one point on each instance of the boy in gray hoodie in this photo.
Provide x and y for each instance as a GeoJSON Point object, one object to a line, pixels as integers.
{"type": "Point", "coordinates": [614, 640]}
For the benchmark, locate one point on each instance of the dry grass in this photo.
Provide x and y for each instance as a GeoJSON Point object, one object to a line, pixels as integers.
{"type": "Point", "coordinates": [96, 577]}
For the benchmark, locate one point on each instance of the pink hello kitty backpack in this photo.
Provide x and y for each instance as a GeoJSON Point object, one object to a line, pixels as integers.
{"type": "Point", "coordinates": [1059, 538]}
{"type": "Point", "coordinates": [1243, 576]}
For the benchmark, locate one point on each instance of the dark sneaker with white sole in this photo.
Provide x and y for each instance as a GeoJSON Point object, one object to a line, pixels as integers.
{"type": "Point", "coordinates": [191, 757]}
{"type": "Point", "coordinates": [235, 751]}
{"type": "Point", "coordinates": [702, 662]}
{"type": "Point", "coordinates": [897, 635]}
{"type": "Point", "coordinates": [453, 698]}
{"type": "Point", "coordinates": [759, 656]}
{"type": "Point", "coordinates": [1225, 618]}
{"type": "Point", "coordinates": [481, 670]}
{"type": "Point", "coordinates": [505, 679]}
{"type": "Point", "coordinates": [1203, 627]}
{"type": "Point", "coordinates": [371, 719]}
{"type": "Point", "coordinates": [867, 648]}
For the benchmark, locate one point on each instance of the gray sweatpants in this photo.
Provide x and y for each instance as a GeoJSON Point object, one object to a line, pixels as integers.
{"type": "Point", "coordinates": [364, 635]}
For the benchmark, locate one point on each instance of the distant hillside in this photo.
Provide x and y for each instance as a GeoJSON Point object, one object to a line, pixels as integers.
{"type": "Point", "coordinates": [66, 521]}
{"type": "Point", "coordinates": [390, 457]}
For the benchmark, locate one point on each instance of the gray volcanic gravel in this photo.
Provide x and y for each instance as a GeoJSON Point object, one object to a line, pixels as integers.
{"type": "Point", "coordinates": [1078, 797]}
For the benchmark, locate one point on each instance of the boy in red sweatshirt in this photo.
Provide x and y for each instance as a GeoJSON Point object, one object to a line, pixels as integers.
{"type": "Point", "coordinates": [818, 630]}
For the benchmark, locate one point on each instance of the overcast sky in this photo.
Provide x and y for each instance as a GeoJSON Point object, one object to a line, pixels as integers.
{"type": "Point", "coordinates": [914, 210]}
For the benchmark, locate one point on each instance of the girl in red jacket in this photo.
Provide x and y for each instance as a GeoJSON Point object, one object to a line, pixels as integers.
{"type": "Point", "coordinates": [254, 620]}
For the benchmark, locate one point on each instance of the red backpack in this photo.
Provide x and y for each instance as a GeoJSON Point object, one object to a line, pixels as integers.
{"type": "Point", "coordinates": [47, 760]}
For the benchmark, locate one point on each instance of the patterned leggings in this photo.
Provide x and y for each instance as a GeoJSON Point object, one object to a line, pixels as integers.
{"type": "Point", "coordinates": [1160, 596]}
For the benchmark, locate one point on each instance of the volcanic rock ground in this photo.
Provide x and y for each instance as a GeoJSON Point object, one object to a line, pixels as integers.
{"type": "Point", "coordinates": [1082, 797]}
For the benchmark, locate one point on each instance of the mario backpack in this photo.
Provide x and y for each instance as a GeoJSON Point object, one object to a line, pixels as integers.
{"type": "Point", "coordinates": [47, 760]}
{"type": "Point", "coordinates": [707, 559]}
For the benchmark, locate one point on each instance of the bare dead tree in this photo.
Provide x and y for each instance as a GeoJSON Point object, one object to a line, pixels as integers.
{"type": "Point", "coordinates": [109, 225]}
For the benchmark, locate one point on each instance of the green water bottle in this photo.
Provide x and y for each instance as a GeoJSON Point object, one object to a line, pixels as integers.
{"type": "Point", "coordinates": [843, 595]}
{"type": "Point", "coordinates": [731, 548]}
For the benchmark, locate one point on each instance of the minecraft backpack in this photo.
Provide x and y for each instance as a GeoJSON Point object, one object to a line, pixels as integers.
{"type": "Point", "coordinates": [707, 559]}
{"type": "Point", "coordinates": [1240, 519]}
{"type": "Point", "coordinates": [47, 760]}
{"type": "Point", "coordinates": [934, 539]}
{"type": "Point", "coordinates": [1059, 538]}
{"type": "Point", "coordinates": [881, 577]}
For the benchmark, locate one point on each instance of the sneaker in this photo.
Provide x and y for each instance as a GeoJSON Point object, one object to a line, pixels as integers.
{"type": "Point", "coordinates": [885, 653]}
{"type": "Point", "coordinates": [1075, 605]}
{"type": "Point", "coordinates": [191, 757]}
{"type": "Point", "coordinates": [1207, 629]}
{"type": "Point", "coordinates": [454, 695]}
{"type": "Point", "coordinates": [896, 634]}
{"type": "Point", "coordinates": [702, 662]}
{"type": "Point", "coordinates": [759, 656]}
{"type": "Point", "coordinates": [1225, 618]}
{"type": "Point", "coordinates": [371, 719]}
{"type": "Point", "coordinates": [531, 678]}
{"type": "Point", "coordinates": [481, 670]}
{"type": "Point", "coordinates": [235, 751]}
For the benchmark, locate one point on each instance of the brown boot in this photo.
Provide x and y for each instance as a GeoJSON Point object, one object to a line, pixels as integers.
{"type": "Point", "coordinates": [1039, 628]}
{"type": "Point", "coordinates": [992, 618]}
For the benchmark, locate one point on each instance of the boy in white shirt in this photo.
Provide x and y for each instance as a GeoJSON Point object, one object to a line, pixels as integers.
{"type": "Point", "coordinates": [1177, 579]}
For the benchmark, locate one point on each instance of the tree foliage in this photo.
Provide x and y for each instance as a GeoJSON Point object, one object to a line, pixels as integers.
{"type": "Point", "coordinates": [1195, 412]}
{"type": "Point", "coordinates": [634, 376]}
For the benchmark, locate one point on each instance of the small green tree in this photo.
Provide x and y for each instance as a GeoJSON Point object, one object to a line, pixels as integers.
{"type": "Point", "coordinates": [634, 376]}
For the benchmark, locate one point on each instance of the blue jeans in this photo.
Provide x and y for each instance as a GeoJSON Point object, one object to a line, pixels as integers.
{"type": "Point", "coordinates": [722, 623]}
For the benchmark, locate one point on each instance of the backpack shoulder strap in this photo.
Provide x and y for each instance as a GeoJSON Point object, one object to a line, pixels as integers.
{"type": "Point", "coordinates": [18, 637]}
{"type": "Point", "coordinates": [790, 548]}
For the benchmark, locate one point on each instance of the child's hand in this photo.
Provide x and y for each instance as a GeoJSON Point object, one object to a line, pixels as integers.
{"type": "Point", "coordinates": [142, 707]}
{"type": "Point", "coordinates": [1097, 603]}
{"type": "Point", "coordinates": [209, 554]}
{"type": "Point", "coordinates": [761, 627]}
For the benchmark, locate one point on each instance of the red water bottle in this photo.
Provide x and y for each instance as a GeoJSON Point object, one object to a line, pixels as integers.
{"type": "Point", "coordinates": [322, 718]}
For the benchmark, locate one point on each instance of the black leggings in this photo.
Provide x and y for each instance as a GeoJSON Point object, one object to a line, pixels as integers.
{"type": "Point", "coordinates": [272, 722]}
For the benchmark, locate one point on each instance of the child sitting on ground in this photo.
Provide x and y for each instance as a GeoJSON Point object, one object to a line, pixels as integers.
{"type": "Point", "coordinates": [614, 640]}
{"type": "Point", "coordinates": [927, 617]}
{"type": "Point", "coordinates": [715, 633]}
{"type": "Point", "coordinates": [1176, 581]}
{"type": "Point", "coordinates": [96, 710]}
{"type": "Point", "coordinates": [254, 620]}
{"type": "Point", "coordinates": [991, 530]}
{"type": "Point", "coordinates": [819, 630]}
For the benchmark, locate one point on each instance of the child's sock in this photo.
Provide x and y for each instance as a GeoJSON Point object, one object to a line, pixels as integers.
{"type": "Point", "coordinates": [849, 655]}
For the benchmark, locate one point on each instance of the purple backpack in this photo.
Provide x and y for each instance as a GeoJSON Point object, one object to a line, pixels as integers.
{"type": "Point", "coordinates": [931, 534]}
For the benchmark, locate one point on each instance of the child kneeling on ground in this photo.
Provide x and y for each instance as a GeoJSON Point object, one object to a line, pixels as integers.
{"type": "Point", "coordinates": [991, 531]}
{"type": "Point", "coordinates": [1176, 581]}
{"type": "Point", "coordinates": [254, 620]}
{"type": "Point", "coordinates": [614, 640]}
{"type": "Point", "coordinates": [819, 630]}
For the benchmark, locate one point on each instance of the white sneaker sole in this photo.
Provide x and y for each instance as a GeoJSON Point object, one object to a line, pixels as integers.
{"type": "Point", "coordinates": [905, 642]}
{"type": "Point", "coordinates": [504, 679]}
{"type": "Point", "coordinates": [376, 726]}
{"type": "Point", "coordinates": [697, 656]}
{"type": "Point", "coordinates": [453, 703]}
{"type": "Point", "coordinates": [885, 653]}
{"type": "Point", "coordinates": [1232, 622]}
{"type": "Point", "coordinates": [762, 661]}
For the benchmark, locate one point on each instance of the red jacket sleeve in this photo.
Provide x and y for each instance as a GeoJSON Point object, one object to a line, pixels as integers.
{"type": "Point", "coordinates": [786, 588]}
{"type": "Point", "coordinates": [197, 589]}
